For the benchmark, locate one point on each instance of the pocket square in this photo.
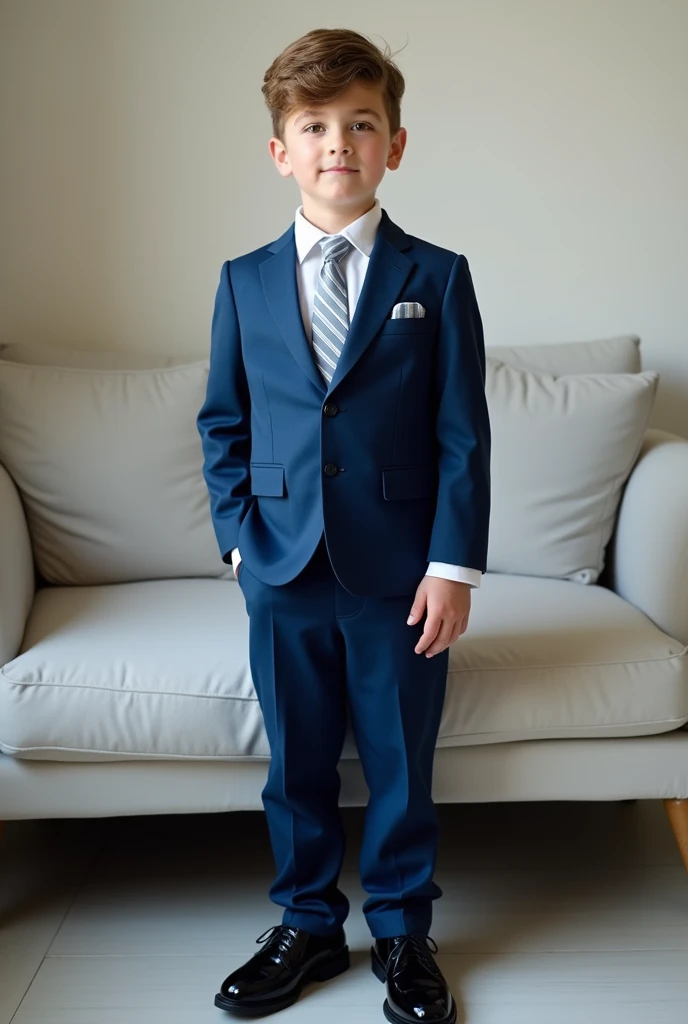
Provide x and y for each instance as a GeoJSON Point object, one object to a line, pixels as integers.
{"type": "Point", "coordinates": [407, 309]}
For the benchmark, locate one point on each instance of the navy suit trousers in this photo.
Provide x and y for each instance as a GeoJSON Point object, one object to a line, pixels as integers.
{"type": "Point", "coordinates": [315, 648]}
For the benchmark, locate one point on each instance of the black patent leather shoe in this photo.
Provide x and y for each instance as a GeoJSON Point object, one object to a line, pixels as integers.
{"type": "Point", "coordinates": [273, 977]}
{"type": "Point", "coordinates": [416, 989]}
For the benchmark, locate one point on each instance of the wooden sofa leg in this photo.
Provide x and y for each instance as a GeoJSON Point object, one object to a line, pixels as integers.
{"type": "Point", "coordinates": [678, 816]}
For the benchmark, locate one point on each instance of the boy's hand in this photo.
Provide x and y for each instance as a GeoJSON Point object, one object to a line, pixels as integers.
{"type": "Point", "coordinates": [449, 605]}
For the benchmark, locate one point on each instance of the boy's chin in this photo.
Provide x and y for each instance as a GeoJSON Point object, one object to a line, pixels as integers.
{"type": "Point", "coordinates": [342, 193]}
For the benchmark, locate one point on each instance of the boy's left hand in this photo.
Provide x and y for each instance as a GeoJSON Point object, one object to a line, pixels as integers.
{"type": "Point", "coordinates": [449, 605]}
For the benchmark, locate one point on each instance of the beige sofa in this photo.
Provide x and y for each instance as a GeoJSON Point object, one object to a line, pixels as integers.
{"type": "Point", "coordinates": [125, 686]}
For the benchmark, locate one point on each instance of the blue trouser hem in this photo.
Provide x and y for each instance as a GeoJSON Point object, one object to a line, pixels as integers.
{"type": "Point", "coordinates": [391, 923]}
{"type": "Point", "coordinates": [382, 926]}
{"type": "Point", "coordinates": [309, 922]}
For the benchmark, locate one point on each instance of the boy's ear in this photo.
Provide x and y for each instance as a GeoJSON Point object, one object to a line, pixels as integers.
{"type": "Point", "coordinates": [280, 156]}
{"type": "Point", "coordinates": [396, 150]}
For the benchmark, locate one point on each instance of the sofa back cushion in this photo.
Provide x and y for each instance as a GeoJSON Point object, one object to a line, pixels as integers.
{"type": "Point", "coordinates": [108, 463]}
{"type": "Point", "coordinates": [562, 450]}
{"type": "Point", "coordinates": [104, 449]}
{"type": "Point", "coordinates": [36, 353]}
{"type": "Point", "coordinates": [620, 354]}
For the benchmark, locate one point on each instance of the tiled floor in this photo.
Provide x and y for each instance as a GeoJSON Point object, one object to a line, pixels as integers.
{"type": "Point", "coordinates": [551, 914]}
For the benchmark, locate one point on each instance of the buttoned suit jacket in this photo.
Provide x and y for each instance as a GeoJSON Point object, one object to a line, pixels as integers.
{"type": "Point", "coordinates": [391, 460]}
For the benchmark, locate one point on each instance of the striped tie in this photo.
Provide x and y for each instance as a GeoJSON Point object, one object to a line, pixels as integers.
{"type": "Point", "coordinates": [331, 306]}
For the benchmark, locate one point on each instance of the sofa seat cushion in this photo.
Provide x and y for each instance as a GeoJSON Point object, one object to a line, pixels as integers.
{"type": "Point", "coordinates": [547, 659]}
{"type": "Point", "coordinates": [159, 669]}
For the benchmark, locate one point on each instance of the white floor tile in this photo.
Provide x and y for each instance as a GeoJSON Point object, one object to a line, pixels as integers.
{"type": "Point", "coordinates": [551, 913]}
{"type": "Point", "coordinates": [554, 988]}
{"type": "Point", "coordinates": [42, 865]}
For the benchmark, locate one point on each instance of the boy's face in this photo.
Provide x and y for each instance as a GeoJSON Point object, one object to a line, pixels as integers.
{"type": "Point", "coordinates": [353, 131]}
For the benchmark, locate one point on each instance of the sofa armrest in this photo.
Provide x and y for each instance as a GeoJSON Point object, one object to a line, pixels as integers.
{"type": "Point", "coordinates": [17, 579]}
{"type": "Point", "coordinates": [649, 549]}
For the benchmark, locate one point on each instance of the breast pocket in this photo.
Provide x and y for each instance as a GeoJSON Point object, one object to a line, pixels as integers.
{"type": "Point", "coordinates": [267, 478]}
{"type": "Point", "coordinates": [408, 325]}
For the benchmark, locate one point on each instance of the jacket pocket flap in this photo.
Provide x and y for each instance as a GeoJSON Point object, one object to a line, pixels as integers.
{"type": "Point", "coordinates": [408, 482]}
{"type": "Point", "coordinates": [267, 478]}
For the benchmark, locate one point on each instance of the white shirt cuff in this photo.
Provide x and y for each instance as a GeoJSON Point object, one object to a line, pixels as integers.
{"type": "Point", "coordinates": [458, 573]}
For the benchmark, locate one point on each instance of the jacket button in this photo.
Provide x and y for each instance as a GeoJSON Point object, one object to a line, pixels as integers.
{"type": "Point", "coordinates": [331, 469]}
{"type": "Point", "coordinates": [330, 409]}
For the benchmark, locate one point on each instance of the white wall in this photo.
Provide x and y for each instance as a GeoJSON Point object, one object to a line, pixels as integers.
{"type": "Point", "coordinates": [548, 140]}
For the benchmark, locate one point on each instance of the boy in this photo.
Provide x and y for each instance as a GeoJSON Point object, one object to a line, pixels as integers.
{"type": "Point", "coordinates": [346, 452]}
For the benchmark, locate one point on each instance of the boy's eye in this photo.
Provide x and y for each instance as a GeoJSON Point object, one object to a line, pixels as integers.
{"type": "Point", "coordinates": [364, 123]}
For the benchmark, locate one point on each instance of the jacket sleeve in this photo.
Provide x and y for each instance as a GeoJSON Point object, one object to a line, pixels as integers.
{"type": "Point", "coordinates": [224, 422]}
{"type": "Point", "coordinates": [461, 524]}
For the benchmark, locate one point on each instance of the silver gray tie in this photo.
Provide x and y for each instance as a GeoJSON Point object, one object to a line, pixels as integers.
{"type": "Point", "coordinates": [331, 306]}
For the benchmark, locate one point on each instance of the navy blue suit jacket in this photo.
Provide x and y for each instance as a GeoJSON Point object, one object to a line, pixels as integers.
{"type": "Point", "coordinates": [391, 460]}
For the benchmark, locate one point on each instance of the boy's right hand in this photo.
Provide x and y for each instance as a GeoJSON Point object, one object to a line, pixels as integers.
{"type": "Point", "coordinates": [448, 608]}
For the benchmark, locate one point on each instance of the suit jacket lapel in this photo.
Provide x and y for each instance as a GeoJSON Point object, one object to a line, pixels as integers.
{"type": "Point", "coordinates": [278, 274]}
{"type": "Point", "coordinates": [387, 273]}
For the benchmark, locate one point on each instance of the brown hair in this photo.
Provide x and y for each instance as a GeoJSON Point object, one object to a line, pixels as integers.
{"type": "Point", "coordinates": [321, 65]}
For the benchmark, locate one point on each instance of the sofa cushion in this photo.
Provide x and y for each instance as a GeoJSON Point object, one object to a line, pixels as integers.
{"type": "Point", "coordinates": [108, 463]}
{"type": "Point", "coordinates": [620, 354]}
{"type": "Point", "coordinates": [562, 450]}
{"type": "Point", "coordinates": [159, 669]}
{"type": "Point", "coordinates": [36, 353]}
{"type": "Point", "coordinates": [104, 507]}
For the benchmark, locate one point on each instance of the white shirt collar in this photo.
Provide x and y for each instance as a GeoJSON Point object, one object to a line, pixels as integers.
{"type": "Point", "coordinates": [361, 232]}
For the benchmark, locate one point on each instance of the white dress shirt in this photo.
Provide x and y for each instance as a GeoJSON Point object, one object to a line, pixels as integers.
{"type": "Point", "coordinates": [361, 233]}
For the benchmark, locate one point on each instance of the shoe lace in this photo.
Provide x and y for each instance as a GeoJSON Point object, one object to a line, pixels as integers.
{"type": "Point", "coordinates": [415, 945]}
{"type": "Point", "coordinates": [280, 936]}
